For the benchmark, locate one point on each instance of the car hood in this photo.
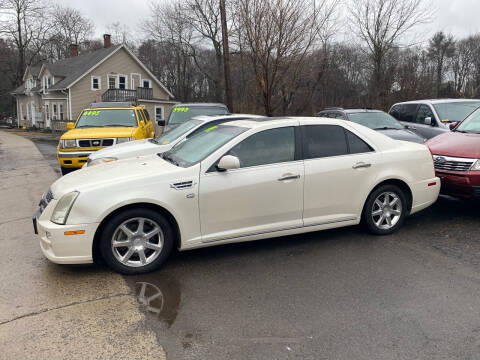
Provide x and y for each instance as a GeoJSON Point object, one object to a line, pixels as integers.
{"type": "Point", "coordinates": [99, 132]}
{"type": "Point", "coordinates": [130, 149]}
{"type": "Point", "coordinates": [403, 134]}
{"type": "Point", "coordinates": [130, 170]}
{"type": "Point", "coordinates": [456, 144]}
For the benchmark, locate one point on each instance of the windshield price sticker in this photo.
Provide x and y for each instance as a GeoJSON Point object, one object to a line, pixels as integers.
{"type": "Point", "coordinates": [91, 113]}
{"type": "Point", "coordinates": [181, 109]}
{"type": "Point", "coordinates": [211, 128]}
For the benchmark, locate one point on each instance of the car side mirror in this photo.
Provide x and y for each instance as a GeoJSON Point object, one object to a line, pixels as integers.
{"type": "Point", "coordinates": [228, 162]}
{"type": "Point", "coordinates": [453, 125]}
{"type": "Point", "coordinates": [161, 122]}
{"type": "Point", "coordinates": [428, 121]}
{"type": "Point", "coordinates": [70, 125]}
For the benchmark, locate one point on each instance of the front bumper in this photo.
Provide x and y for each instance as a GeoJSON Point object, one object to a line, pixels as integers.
{"type": "Point", "coordinates": [74, 159]}
{"type": "Point", "coordinates": [66, 249]}
{"type": "Point", "coordinates": [464, 185]}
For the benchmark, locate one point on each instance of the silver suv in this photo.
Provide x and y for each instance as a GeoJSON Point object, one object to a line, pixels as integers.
{"type": "Point", "coordinates": [429, 118]}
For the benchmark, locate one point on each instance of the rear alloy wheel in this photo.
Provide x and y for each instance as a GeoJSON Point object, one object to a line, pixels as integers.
{"type": "Point", "coordinates": [136, 241]}
{"type": "Point", "coordinates": [385, 210]}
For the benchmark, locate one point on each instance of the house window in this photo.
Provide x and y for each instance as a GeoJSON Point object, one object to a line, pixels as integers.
{"type": "Point", "coordinates": [112, 82]}
{"type": "Point", "coordinates": [147, 83]}
{"type": "Point", "coordinates": [122, 81]}
{"type": "Point", "coordinates": [47, 112]}
{"type": "Point", "coordinates": [60, 107]}
{"type": "Point", "coordinates": [158, 113]}
{"type": "Point", "coordinates": [96, 83]}
{"type": "Point", "coordinates": [54, 112]}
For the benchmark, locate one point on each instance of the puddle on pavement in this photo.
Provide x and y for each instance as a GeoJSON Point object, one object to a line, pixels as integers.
{"type": "Point", "coordinates": [157, 295]}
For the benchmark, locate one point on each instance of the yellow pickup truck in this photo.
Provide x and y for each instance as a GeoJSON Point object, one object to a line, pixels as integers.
{"type": "Point", "coordinates": [99, 126]}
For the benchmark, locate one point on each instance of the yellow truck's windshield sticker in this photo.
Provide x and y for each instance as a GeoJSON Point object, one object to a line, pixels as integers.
{"type": "Point", "coordinates": [211, 128]}
{"type": "Point", "coordinates": [91, 113]}
{"type": "Point", "coordinates": [181, 109]}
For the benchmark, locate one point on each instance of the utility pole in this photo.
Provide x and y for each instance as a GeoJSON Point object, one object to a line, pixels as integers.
{"type": "Point", "coordinates": [226, 57]}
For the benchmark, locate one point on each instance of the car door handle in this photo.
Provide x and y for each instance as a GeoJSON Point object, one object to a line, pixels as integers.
{"type": "Point", "coordinates": [288, 177]}
{"type": "Point", "coordinates": [361, 165]}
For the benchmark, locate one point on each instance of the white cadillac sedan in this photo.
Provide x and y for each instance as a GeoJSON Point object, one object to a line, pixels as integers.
{"type": "Point", "coordinates": [238, 181]}
{"type": "Point", "coordinates": [164, 142]}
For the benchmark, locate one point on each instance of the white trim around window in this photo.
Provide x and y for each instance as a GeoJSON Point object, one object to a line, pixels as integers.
{"type": "Point", "coordinates": [162, 112]}
{"type": "Point", "coordinates": [99, 83]}
{"type": "Point", "coordinates": [149, 83]}
{"type": "Point", "coordinates": [126, 80]}
{"type": "Point", "coordinates": [110, 76]}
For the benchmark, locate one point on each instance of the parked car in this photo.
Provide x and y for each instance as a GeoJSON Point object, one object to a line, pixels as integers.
{"type": "Point", "coordinates": [456, 156]}
{"type": "Point", "coordinates": [183, 112]}
{"type": "Point", "coordinates": [101, 125]}
{"type": "Point", "coordinates": [376, 120]}
{"type": "Point", "coordinates": [165, 142]}
{"type": "Point", "coordinates": [429, 118]}
{"type": "Point", "coordinates": [238, 181]}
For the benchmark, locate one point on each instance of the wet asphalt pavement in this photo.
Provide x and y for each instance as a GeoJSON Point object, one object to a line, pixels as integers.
{"type": "Point", "coordinates": [337, 294]}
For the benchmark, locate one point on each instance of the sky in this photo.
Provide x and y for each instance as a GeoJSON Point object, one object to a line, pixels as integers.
{"type": "Point", "coordinates": [458, 17]}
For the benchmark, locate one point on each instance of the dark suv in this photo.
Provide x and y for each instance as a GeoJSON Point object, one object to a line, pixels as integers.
{"type": "Point", "coordinates": [374, 119]}
{"type": "Point", "coordinates": [430, 118]}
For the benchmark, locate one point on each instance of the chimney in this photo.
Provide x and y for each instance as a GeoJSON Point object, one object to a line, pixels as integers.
{"type": "Point", "coordinates": [106, 41]}
{"type": "Point", "coordinates": [73, 48]}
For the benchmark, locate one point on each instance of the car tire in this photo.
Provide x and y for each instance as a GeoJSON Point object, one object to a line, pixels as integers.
{"type": "Point", "coordinates": [385, 210]}
{"type": "Point", "coordinates": [125, 244]}
{"type": "Point", "coordinates": [65, 170]}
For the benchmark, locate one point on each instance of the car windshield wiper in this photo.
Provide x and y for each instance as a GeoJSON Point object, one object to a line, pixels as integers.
{"type": "Point", "coordinates": [387, 128]}
{"type": "Point", "coordinates": [166, 156]}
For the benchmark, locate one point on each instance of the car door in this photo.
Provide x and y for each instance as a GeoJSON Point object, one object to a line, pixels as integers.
{"type": "Point", "coordinates": [149, 124]}
{"type": "Point", "coordinates": [264, 195]}
{"type": "Point", "coordinates": [339, 171]}
{"type": "Point", "coordinates": [142, 124]}
{"type": "Point", "coordinates": [424, 129]}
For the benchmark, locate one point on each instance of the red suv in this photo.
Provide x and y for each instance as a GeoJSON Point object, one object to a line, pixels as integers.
{"type": "Point", "coordinates": [456, 155]}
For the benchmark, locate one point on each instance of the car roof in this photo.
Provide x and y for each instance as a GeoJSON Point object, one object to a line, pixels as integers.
{"type": "Point", "coordinates": [231, 117]}
{"type": "Point", "coordinates": [283, 120]}
{"type": "Point", "coordinates": [350, 111]}
{"type": "Point", "coordinates": [201, 105]}
{"type": "Point", "coordinates": [437, 101]}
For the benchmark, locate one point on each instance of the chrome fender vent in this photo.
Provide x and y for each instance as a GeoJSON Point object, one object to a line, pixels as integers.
{"type": "Point", "coordinates": [182, 185]}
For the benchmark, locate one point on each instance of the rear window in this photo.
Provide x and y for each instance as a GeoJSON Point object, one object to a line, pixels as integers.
{"type": "Point", "coordinates": [180, 114]}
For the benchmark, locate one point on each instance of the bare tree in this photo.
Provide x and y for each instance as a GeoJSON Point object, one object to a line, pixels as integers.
{"type": "Point", "coordinates": [277, 36]}
{"type": "Point", "coordinates": [380, 24]}
{"type": "Point", "coordinates": [121, 34]}
{"type": "Point", "coordinates": [25, 24]}
{"type": "Point", "coordinates": [441, 48]}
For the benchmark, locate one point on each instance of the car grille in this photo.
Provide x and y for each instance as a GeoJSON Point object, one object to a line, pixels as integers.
{"type": "Point", "coordinates": [88, 143]}
{"type": "Point", "coordinates": [46, 198]}
{"type": "Point", "coordinates": [446, 163]}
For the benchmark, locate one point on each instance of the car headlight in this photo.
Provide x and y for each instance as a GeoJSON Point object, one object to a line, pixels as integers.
{"type": "Point", "coordinates": [64, 144]}
{"type": "Point", "coordinates": [124, 139]}
{"type": "Point", "coordinates": [476, 165]}
{"type": "Point", "coordinates": [63, 207]}
{"type": "Point", "coordinates": [102, 160]}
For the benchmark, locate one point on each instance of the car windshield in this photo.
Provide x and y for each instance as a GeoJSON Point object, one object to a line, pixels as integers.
{"type": "Point", "coordinates": [455, 111]}
{"type": "Point", "coordinates": [172, 135]}
{"type": "Point", "coordinates": [375, 120]}
{"type": "Point", "coordinates": [199, 146]}
{"type": "Point", "coordinates": [471, 124]}
{"type": "Point", "coordinates": [180, 114]}
{"type": "Point", "coordinates": [107, 118]}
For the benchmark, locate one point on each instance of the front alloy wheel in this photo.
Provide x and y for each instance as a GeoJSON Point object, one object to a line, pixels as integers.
{"type": "Point", "coordinates": [136, 241]}
{"type": "Point", "coordinates": [385, 210]}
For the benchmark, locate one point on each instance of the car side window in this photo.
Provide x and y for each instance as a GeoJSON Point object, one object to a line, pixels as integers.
{"type": "Point", "coordinates": [323, 141]}
{"type": "Point", "coordinates": [326, 114]}
{"type": "Point", "coordinates": [356, 145]}
{"type": "Point", "coordinates": [147, 115]}
{"type": "Point", "coordinates": [266, 147]}
{"type": "Point", "coordinates": [424, 111]}
{"type": "Point", "coordinates": [404, 112]}
{"type": "Point", "coordinates": [340, 115]}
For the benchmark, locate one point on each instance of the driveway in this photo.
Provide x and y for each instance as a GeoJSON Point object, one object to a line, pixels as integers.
{"type": "Point", "coordinates": [339, 294]}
